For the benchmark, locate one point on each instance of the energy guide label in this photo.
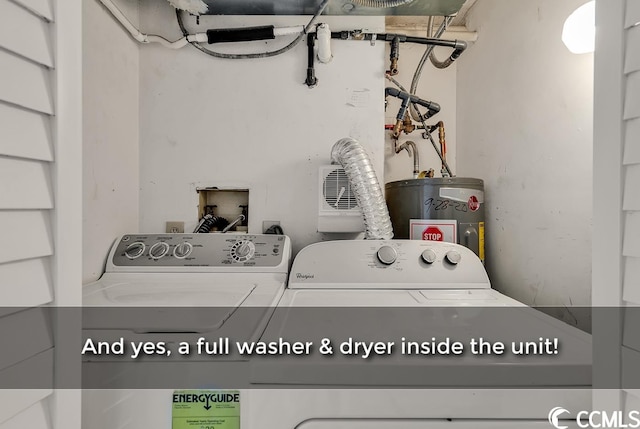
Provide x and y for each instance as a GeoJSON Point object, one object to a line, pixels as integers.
{"type": "Point", "coordinates": [205, 409]}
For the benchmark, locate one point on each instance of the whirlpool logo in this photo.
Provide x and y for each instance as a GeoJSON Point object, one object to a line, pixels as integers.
{"type": "Point", "coordinates": [303, 276]}
{"type": "Point", "coordinates": [558, 416]}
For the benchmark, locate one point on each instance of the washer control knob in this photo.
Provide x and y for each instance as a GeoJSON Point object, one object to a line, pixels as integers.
{"type": "Point", "coordinates": [158, 250]}
{"type": "Point", "coordinates": [182, 250]}
{"type": "Point", "coordinates": [134, 250]}
{"type": "Point", "coordinates": [453, 257]}
{"type": "Point", "coordinates": [243, 250]}
{"type": "Point", "coordinates": [429, 256]}
{"type": "Point", "coordinates": [387, 255]}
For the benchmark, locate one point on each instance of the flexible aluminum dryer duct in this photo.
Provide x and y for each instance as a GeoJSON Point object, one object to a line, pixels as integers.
{"type": "Point", "coordinates": [381, 3]}
{"type": "Point", "coordinates": [364, 183]}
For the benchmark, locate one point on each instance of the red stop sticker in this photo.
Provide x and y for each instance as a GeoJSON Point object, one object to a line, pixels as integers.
{"type": "Point", "coordinates": [433, 233]}
{"type": "Point", "coordinates": [473, 203]}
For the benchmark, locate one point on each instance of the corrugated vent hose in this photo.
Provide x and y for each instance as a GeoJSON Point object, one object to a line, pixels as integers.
{"type": "Point", "coordinates": [350, 154]}
{"type": "Point", "coordinates": [381, 3]}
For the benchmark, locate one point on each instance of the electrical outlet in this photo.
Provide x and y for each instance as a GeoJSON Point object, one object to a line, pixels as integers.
{"type": "Point", "coordinates": [266, 224]}
{"type": "Point", "coordinates": [175, 227]}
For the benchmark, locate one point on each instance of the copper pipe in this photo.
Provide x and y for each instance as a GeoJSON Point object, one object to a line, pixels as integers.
{"type": "Point", "coordinates": [443, 143]}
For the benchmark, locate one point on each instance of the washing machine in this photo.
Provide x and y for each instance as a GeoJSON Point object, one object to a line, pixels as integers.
{"type": "Point", "coordinates": [166, 289]}
{"type": "Point", "coordinates": [352, 293]}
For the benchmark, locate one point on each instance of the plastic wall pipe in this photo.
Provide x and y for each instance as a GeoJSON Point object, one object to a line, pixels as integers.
{"type": "Point", "coordinates": [144, 38]}
{"type": "Point", "coordinates": [323, 36]}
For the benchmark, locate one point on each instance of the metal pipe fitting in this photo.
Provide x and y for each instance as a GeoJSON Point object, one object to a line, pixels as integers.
{"type": "Point", "coordinates": [407, 100]}
{"type": "Point", "coordinates": [412, 150]}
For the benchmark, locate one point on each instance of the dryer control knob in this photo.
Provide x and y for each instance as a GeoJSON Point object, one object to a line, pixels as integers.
{"type": "Point", "coordinates": [387, 255]}
{"type": "Point", "coordinates": [134, 250]}
{"type": "Point", "coordinates": [453, 257]}
{"type": "Point", "coordinates": [182, 250]}
{"type": "Point", "coordinates": [158, 250]}
{"type": "Point", "coordinates": [429, 256]}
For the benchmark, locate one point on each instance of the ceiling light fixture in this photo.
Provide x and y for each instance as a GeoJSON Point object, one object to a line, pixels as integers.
{"type": "Point", "coordinates": [579, 31]}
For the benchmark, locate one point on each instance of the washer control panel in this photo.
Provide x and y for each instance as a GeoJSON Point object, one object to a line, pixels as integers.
{"type": "Point", "coordinates": [200, 250]}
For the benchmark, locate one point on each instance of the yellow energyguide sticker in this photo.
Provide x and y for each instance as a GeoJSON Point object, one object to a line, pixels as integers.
{"type": "Point", "coordinates": [481, 241]}
{"type": "Point", "coordinates": [205, 409]}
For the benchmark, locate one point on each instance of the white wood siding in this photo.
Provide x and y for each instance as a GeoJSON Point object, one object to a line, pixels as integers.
{"type": "Point", "coordinates": [25, 134]}
{"type": "Point", "coordinates": [632, 148]}
{"type": "Point", "coordinates": [631, 204]}
{"type": "Point", "coordinates": [41, 8]}
{"type": "Point", "coordinates": [16, 401]}
{"type": "Point", "coordinates": [27, 104]}
{"type": "Point", "coordinates": [631, 160]}
{"type": "Point", "coordinates": [36, 416]}
{"type": "Point", "coordinates": [632, 15]}
{"type": "Point", "coordinates": [31, 282]}
{"type": "Point", "coordinates": [28, 232]}
{"type": "Point", "coordinates": [631, 277]}
{"type": "Point", "coordinates": [27, 36]}
{"type": "Point", "coordinates": [25, 184]}
{"type": "Point", "coordinates": [31, 88]}
{"type": "Point", "coordinates": [632, 400]}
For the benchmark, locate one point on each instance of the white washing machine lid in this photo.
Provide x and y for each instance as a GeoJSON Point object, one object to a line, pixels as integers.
{"type": "Point", "coordinates": [455, 314]}
{"type": "Point", "coordinates": [342, 296]}
{"type": "Point", "coordinates": [169, 294]}
{"type": "Point", "coordinates": [201, 302]}
{"type": "Point", "coordinates": [184, 290]}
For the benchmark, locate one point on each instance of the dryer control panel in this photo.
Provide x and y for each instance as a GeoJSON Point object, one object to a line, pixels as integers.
{"type": "Point", "coordinates": [387, 264]}
{"type": "Point", "coordinates": [234, 251]}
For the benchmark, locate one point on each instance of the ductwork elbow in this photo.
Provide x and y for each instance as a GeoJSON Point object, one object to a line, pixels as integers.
{"type": "Point", "coordinates": [350, 154]}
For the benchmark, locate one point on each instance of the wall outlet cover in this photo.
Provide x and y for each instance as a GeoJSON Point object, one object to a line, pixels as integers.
{"type": "Point", "coordinates": [175, 227]}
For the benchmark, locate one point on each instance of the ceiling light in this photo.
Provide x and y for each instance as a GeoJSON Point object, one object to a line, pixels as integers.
{"type": "Point", "coordinates": [579, 32]}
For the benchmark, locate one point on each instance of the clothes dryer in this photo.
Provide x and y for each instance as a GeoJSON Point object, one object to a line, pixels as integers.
{"type": "Point", "coordinates": [402, 290]}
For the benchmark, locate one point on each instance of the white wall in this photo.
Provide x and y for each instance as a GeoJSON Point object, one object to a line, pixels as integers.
{"type": "Point", "coordinates": [110, 133]}
{"type": "Point", "coordinates": [250, 123]}
{"type": "Point", "coordinates": [525, 127]}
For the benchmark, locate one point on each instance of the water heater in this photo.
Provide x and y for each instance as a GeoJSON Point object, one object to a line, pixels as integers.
{"type": "Point", "coordinates": [439, 209]}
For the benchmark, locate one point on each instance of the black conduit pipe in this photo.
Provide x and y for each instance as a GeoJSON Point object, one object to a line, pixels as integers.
{"type": "Point", "coordinates": [458, 46]}
{"type": "Point", "coordinates": [311, 80]}
{"type": "Point", "coordinates": [247, 34]}
{"type": "Point", "coordinates": [394, 56]}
